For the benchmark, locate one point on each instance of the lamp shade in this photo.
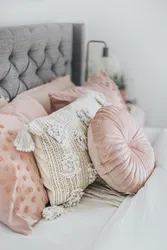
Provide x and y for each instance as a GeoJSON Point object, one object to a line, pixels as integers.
{"type": "Point", "coordinates": [105, 52]}
{"type": "Point", "coordinates": [111, 66]}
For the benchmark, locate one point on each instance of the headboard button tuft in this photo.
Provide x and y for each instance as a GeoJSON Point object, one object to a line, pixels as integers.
{"type": "Point", "coordinates": [10, 57]}
{"type": "Point", "coordinates": [29, 53]}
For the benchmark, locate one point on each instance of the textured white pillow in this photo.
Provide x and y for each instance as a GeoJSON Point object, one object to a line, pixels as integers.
{"type": "Point", "coordinates": [61, 149]}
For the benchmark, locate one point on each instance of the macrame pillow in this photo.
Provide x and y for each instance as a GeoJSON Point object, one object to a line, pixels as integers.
{"type": "Point", "coordinates": [61, 149]}
{"type": "Point", "coordinates": [119, 150]}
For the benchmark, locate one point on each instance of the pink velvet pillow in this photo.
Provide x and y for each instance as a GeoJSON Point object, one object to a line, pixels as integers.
{"type": "Point", "coordinates": [99, 82]}
{"type": "Point", "coordinates": [22, 195]}
{"type": "Point", "coordinates": [119, 150]}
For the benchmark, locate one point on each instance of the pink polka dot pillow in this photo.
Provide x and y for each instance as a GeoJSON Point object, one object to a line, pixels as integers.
{"type": "Point", "coordinates": [22, 195]}
{"type": "Point", "coordinates": [119, 150]}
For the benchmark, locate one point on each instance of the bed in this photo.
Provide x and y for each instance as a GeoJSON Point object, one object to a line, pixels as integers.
{"type": "Point", "coordinates": [31, 56]}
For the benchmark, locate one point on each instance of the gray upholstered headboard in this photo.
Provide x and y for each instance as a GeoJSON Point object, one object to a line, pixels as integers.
{"type": "Point", "coordinates": [33, 55]}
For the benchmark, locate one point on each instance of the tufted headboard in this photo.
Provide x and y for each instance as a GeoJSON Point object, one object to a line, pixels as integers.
{"type": "Point", "coordinates": [33, 55]}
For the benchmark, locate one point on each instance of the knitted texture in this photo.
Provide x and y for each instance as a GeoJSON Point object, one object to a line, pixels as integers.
{"type": "Point", "coordinates": [61, 149]}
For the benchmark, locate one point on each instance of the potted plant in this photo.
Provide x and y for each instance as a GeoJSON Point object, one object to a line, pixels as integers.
{"type": "Point", "coordinates": [120, 82]}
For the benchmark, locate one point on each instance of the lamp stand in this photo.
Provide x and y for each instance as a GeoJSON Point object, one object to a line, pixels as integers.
{"type": "Point", "coordinates": [104, 54]}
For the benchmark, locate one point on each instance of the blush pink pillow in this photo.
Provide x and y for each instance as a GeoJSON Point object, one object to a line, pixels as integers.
{"type": "Point", "coordinates": [22, 195]}
{"type": "Point", "coordinates": [3, 102]}
{"type": "Point", "coordinates": [40, 93]}
{"type": "Point", "coordinates": [25, 108]}
{"type": "Point", "coordinates": [119, 150]}
{"type": "Point", "coordinates": [99, 82]}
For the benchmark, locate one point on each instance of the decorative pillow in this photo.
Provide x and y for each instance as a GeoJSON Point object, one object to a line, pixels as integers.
{"type": "Point", "coordinates": [25, 108]}
{"type": "Point", "coordinates": [22, 195]}
{"type": "Point", "coordinates": [3, 102]}
{"type": "Point", "coordinates": [98, 82]}
{"type": "Point", "coordinates": [61, 149]}
{"type": "Point", "coordinates": [40, 93]}
{"type": "Point", "coordinates": [119, 150]}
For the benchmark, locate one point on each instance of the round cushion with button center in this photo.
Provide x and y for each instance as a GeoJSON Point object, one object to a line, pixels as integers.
{"type": "Point", "coordinates": [119, 150]}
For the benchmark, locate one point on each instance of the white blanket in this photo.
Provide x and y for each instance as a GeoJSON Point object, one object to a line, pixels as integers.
{"type": "Point", "coordinates": [76, 230]}
{"type": "Point", "coordinates": [141, 221]}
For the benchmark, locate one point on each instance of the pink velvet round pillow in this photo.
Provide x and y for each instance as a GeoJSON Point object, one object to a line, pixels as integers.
{"type": "Point", "coordinates": [120, 152]}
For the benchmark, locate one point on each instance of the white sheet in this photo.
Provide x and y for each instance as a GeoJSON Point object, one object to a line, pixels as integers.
{"type": "Point", "coordinates": [141, 221]}
{"type": "Point", "coordinates": [152, 134]}
{"type": "Point", "coordinates": [76, 230]}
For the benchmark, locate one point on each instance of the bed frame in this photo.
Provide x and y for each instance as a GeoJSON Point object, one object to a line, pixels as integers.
{"type": "Point", "coordinates": [34, 55]}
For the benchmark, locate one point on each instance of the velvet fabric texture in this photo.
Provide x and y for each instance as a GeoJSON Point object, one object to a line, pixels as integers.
{"type": "Point", "coordinates": [119, 150]}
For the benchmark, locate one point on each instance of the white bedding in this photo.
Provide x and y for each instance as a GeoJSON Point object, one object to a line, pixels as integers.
{"type": "Point", "coordinates": [76, 230]}
{"type": "Point", "coordinates": [141, 221]}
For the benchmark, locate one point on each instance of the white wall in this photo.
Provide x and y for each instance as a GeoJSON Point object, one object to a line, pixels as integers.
{"type": "Point", "coordinates": [135, 31]}
{"type": "Point", "coordinates": [14, 12]}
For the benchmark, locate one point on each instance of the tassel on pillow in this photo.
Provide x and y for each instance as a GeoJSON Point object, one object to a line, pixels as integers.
{"type": "Point", "coordinates": [51, 213]}
{"type": "Point", "coordinates": [24, 141]}
{"type": "Point", "coordinates": [102, 100]}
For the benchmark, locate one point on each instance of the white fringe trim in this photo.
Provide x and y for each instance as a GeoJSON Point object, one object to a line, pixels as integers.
{"type": "Point", "coordinates": [53, 212]}
{"type": "Point", "coordinates": [24, 141]}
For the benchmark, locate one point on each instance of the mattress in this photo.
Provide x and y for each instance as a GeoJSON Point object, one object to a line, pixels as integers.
{"type": "Point", "coordinates": [78, 229]}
